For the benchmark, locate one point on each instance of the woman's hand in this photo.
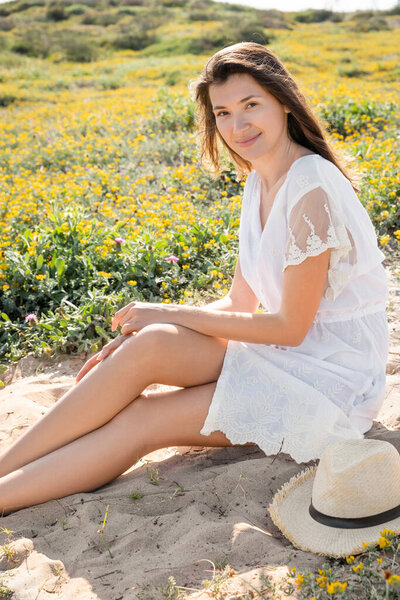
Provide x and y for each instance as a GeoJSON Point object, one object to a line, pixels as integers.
{"type": "Point", "coordinates": [99, 356]}
{"type": "Point", "coordinates": [136, 315]}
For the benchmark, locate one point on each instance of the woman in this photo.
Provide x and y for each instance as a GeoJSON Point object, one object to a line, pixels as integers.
{"type": "Point", "coordinates": [309, 372]}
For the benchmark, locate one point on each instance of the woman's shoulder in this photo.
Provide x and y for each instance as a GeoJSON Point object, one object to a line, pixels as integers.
{"type": "Point", "coordinates": [312, 171]}
{"type": "Point", "coordinates": [313, 167]}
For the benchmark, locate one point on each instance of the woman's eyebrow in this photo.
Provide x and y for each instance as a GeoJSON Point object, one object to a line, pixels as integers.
{"type": "Point", "coordinates": [240, 101]}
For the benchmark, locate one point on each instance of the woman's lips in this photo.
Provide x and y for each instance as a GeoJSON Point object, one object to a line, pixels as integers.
{"type": "Point", "coordinates": [248, 142]}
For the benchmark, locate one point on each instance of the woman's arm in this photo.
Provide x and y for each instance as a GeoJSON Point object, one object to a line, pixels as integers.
{"type": "Point", "coordinates": [303, 286]}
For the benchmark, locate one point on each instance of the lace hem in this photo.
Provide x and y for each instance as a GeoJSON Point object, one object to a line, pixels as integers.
{"type": "Point", "coordinates": [273, 448]}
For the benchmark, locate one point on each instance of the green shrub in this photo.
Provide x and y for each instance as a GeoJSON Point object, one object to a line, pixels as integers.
{"type": "Point", "coordinates": [313, 16]}
{"type": "Point", "coordinates": [201, 15]}
{"type": "Point", "coordinates": [174, 3]}
{"type": "Point", "coordinates": [76, 9]}
{"type": "Point", "coordinates": [171, 113]}
{"type": "Point", "coordinates": [7, 98]}
{"type": "Point", "coordinates": [89, 18]}
{"type": "Point", "coordinates": [133, 37]}
{"type": "Point", "coordinates": [33, 42]}
{"type": "Point", "coordinates": [6, 24]}
{"type": "Point", "coordinates": [56, 12]}
{"type": "Point", "coordinates": [348, 116]}
{"type": "Point", "coordinates": [351, 71]}
{"type": "Point", "coordinates": [25, 5]}
{"type": "Point", "coordinates": [76, 47]}
{"type": "Point", "coordinates": [373, 24]}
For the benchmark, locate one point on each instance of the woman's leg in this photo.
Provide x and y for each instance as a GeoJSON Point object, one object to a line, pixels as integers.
{"type": "Point", "coordinates": [159, 353]}
{"type": "Point", "coordinates": [172, 418]}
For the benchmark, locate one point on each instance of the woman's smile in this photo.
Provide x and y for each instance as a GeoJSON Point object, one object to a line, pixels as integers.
{"type": "Point", "coordinates": [248, 141]}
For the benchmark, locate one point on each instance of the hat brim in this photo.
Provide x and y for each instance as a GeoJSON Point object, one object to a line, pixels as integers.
{"type": "Point", "coordinates": [289, 511]}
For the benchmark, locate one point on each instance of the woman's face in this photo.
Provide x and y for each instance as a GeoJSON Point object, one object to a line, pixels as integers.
{"type": "Point", "coordinates": [252, 122]}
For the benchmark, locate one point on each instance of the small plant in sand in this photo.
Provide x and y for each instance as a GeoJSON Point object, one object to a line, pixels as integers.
{"type": "Point", "coordinates": [220, 576]}
{"type": "Point", "coordinates": [101, 532]}
{"type": "Point", "coordinates": [6, 550]}
{"type": "Point", "coordinates": [171, 591]}
{"type": "Point", "coordinates": [154, 475]}
{"type": "Point", "coordinates": [5, 591]}
{"type": "Point", "coordinates": [135, 496]}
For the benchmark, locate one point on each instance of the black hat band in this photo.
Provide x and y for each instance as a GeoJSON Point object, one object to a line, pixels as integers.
{"type": "Point", "coordinates": [354, 523]}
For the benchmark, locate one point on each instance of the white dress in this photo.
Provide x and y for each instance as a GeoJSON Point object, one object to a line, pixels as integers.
{"type": "Point", "coordinates": [297, 399]}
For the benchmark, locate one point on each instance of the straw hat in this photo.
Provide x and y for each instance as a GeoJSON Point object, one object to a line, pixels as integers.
{"type": "Point", "coordinates": [347, 499]}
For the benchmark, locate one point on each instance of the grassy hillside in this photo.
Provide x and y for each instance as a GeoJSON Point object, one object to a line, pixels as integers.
{"type": "Point", "coordinates": [102, 199]}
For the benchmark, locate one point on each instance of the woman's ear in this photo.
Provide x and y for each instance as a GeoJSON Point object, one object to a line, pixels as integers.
{"type": "Point", "coordinates": [286, 109]}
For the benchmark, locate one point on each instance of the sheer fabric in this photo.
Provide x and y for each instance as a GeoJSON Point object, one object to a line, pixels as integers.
{"type": "Point", "coordinates": [330, 387]}
{"type": "Point", "coordinates": [314, 226]}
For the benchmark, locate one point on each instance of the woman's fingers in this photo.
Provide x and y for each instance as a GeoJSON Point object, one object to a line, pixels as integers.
{"type": "Point", "coordinates": [121, 314]}
{"type": "Point", "coordinates": [99, 356]}
{"type": "Point", "coordinates": [89, 364]}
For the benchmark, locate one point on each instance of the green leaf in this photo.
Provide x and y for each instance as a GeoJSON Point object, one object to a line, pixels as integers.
{"type": "Point", "coordinates": [63, 323]}
{"type": "Point", "coordinates": [5, 317]}
{"type": "Point", "coordinates": [60, 266]}
{"type": "Point", "coordinates": [39, 262]}
{"type": "Point", "coordinates": [100, 331]}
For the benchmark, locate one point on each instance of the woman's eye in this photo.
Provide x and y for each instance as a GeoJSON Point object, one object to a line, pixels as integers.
{"type": "Point", "coordinates": [221, 114]}
{"type": "Point", "coordinates": [252, 104]}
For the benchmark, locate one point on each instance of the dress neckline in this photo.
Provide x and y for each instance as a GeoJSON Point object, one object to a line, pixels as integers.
{"type": "Point", "coordinates": [258, 183]}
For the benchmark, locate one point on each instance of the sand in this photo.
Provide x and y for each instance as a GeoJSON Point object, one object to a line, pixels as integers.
{"type": "Point", "coordinates": [210, 506]}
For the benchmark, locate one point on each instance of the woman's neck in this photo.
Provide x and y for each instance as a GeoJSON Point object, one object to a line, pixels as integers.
{"type": "Point", "coordinates": [272, 170]}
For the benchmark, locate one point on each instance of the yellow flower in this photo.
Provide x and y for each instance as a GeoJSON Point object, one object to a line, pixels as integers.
{"type": "Point", "coordinates": [349, 559]}
{"type": "Point", "coordinates": [359, 567]}
{"type": "Point", "coordinates": [393, 579]}
{"type": "Point", "coordinates": [132, 282]}
{"type": "Point", "coordinates": [336, 586]}
{"type": "Point", "coordinates": [386, 532]}
{"type": "Point", "coordinates": [379, 560]}
{"type": "Point", "coordinates": [187, 293]}
{"type": "Point", "coordinates": [299, 580]}
{"type": "Point", "coordinates": [384, 240]}
{"type": "Point", "coordinates": [6, 287]}
{"type": "Point", "coordinates": [383, 542]}
{"type": "Point", "coordinates": [104, 274]}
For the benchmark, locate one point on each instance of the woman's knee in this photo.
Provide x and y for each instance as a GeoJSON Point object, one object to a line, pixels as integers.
{"type": "Point", "coordinates": [158, 337]}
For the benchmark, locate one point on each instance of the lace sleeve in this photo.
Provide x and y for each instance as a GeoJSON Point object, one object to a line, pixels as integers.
{"type": "Point", "coordinates": [314, 226]}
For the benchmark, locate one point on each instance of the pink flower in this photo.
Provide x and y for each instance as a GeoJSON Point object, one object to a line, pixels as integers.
{"type": "Point", "coordinates": [119, 240]}
{"type": "Point", "coordinates": [172, 258]}
{"type": "Point", "coordinates": [31, 318]}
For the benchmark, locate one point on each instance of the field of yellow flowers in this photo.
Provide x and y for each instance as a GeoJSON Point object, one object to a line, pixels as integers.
{"type": "Point", "coordinates": [102, 199]}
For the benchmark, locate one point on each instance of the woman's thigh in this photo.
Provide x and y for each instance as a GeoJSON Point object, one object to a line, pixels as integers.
{"type": "Point", "coordinates": [174, 418]}
{"type": "Point", "coordinates": [180, 356]}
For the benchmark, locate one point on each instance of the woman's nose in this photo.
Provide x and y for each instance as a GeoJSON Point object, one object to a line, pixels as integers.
{"type": "Point", "coordinates": [240, 123]}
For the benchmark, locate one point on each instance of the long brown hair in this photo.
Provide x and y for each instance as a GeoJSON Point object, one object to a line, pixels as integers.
{"type": "Point", "coordinates": [266, 68]}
